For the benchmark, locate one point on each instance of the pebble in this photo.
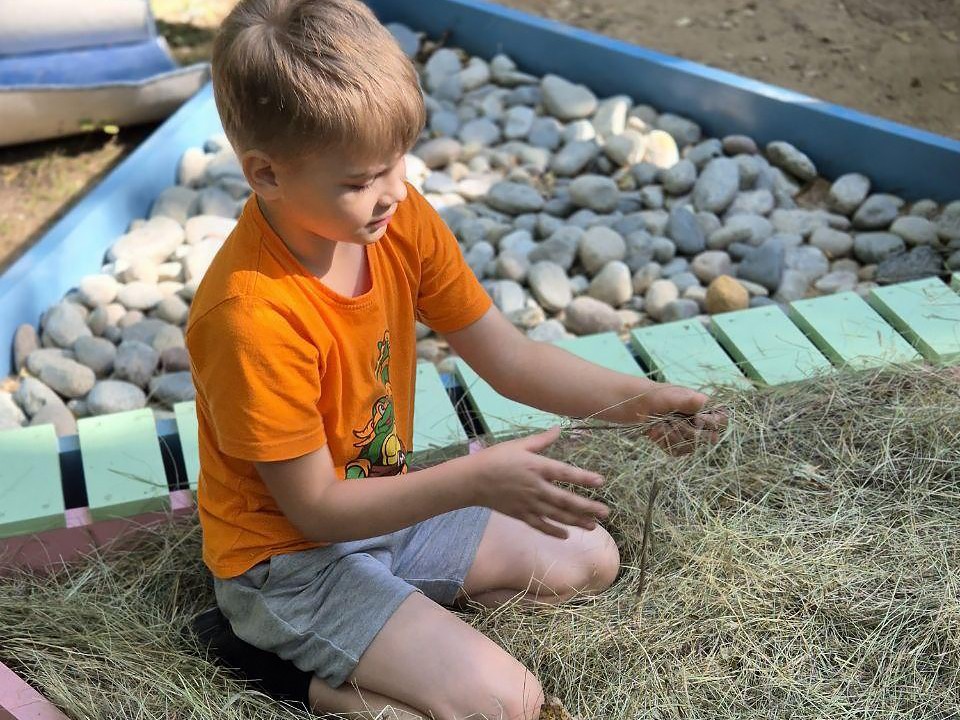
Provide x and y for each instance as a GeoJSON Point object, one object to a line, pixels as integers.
{"type": "Point", "coordinates": [661, 150]}
{"type": "Point", "coordinates": [709, 265]}
{"type": "Point", "coordinates": [175, 359]}
{"type": "Point", "coordinates": [752, 202]}
{"type": "Point", "coordinates": [173, 388]}
{"type": "Point", "coordinates": [11, 416]}
{"type": "Point", "coordinates": [948, 224]}
{"type": "Point", "coordinates": [953, 262]}
{"type": "Point", "coordinates": [627, 148]}
{"type": "Point", "coordinates": [135, 362]}
{"type": "Point", "coordinates": [750, 168]}
{"type": "Point", "coordinates": [96, 353]}
{"type": "Point", "coordinates": [764, 264]}
{"type": "Point", "coordinates": [407, 39]}
{"type": "Point", "coordinates": [518, 122]}
{"type": "Point", "coordinates": [64, 325]}
{"type": "Point", "coordinates": [920, 262]}
{"type": "Point", "coordinates": [479, 256]}
{"type": "Point", "coordinates": [586, 315]}
{"type": "Point", "coordinates": [685, 132]}
{"type": "Point", "coordinates": [717, 185]}
{"type": "Point", "coordinates": [510, 266]}
{"type": "Point", "coordinates": [808, 261]}
{"type": "Point", "coordinates": [837, 281]}
{"type": "Point", "coordinates": [204, 227]}
{"type": "Point", "coordinates": [482, 132]}
{"type": "Point", "coordinates": [217, 202]}
{"type": "Point", "coordinates": [925, 208]}
{"type": "Point", "coordinates": [167, 337]}
{"type": "Point", "coordinates": [111, 396]}
{"type": "Point", "coordinates": [579, 130]}
{"type": "Point", "coordinates": [507, 295]}
{"type": "Point", "coordinates": [739, 145]}
{"type": "Point", "coordinates": [793, 286]}
{"type": "Point", "coordinates": [67, 377]}
{"type": "Point", "coordinates": [560, 248]}
{"type": "Point", "coordinates": [548, 331]}
{"type": "Point", "coordinates": [439, 152]}
{"type": "Point", "coordinates": [475, 74]}
{"type": "Point", "coordinates": [192, 166]}
{"type": "Point", "coordinates": [645, 276]}
{"type": "Point", "coordinates": [566, 100]}
{"type": "Point", "coordinates": [680, 178]}
{"type": "Point", "coordinates": [703, 152]}
{"type": "Point", "coordinates": [176, 202]}
{"type": "Point", "coordinates": [877, 212]}
{"type": "Point", "coordinates": [25, 341]}
{"type": "Point", "coordinates": [596, 192]}
{"type": "Point", "coordinates": [786, 157]}
{"type": "Point", "coordinates": [613, 284]}
{"type": "Point", "coordinates": [658, 296]}
{"type": "Point", "coordinates": [833, 243]}
{"type": "Point", "coordinates": [639, 250]}
{"type": "Point", "coordinates": [848, 192]}
{"type": "Point", "coordinates": [514, 198]}
{"type": "Point", "coordinates": [675, 267]}
{"type": "Point", "coordinates": [685, 232]}
{"type": "Point", "coordinates": [41, 357]}
{"type": "Point", "coordinates": [798, 222]}
{"type": "Point", "coordinates": [875, 247]}
{"type": "Point", "coordinates": [725, 294]}
{"type": "Point", "coordinates": [97, 290]}
{"type": "Point", "coordinates": [550, 285]}
{"type": "Point", "coordinates": [139, 296]}
{"type": "Point", "coordinates": [684, 281]}
{"type": "Point", "coordinates": [598, 246]}
{"type": "Point", "coordinates": [915, 230]}
{"type": "Point", "coordinates": [58, 415]}
{"type": "Point", "coordinates": [529, 316]}
{"type": "Point", "coordinates": [611, 116]}
{"type": "Point", "coordinates": [32, 395]}
{"type": "Point", "coordinates": [573, 157]}
{"type": "Point", "coordinates": [545, 132]}
{"type": "Point", "coordinates": [651, 197]}
{"type": "Point", "coordinates": [681, 309]}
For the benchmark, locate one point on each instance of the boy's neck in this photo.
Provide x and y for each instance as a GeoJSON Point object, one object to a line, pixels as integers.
{"type": "Point", "coordinates": [314, 252]}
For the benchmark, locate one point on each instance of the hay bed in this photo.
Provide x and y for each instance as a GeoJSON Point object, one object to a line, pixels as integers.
{"type": "Point", "coordinates": [806, 567]}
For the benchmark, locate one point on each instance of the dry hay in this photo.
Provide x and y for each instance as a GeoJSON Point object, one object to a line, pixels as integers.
{"type": "Point", "coordinates": [806, 567]}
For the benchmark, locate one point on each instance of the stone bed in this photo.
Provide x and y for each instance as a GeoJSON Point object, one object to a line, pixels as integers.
{"type": "Point", "coordinates": [580, 215]}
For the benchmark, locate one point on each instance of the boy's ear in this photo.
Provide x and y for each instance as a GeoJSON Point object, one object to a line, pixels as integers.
{"type": "Point", "coordinates": [260, 171]}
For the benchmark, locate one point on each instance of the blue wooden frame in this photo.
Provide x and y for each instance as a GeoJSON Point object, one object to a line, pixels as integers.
{"type": "Point", "coordinates": [898, 158]}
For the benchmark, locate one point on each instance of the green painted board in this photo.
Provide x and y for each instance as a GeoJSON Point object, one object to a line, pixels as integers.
{"type": "Point", "coordinates": [849, 332]}
{"type": "Point", "coordinates": [501, 416]}
{"type": "Point", "coordinates": [685, 353]}
{"type": "Point", "coordinates": [955, 282]}
{"type": "Point", "coordinates": [122, 465]}
{"type": "Point", "coordinates": [186, 414]}
{"type": "Point", "coordinates": [31, 497]}
{"type": "Point", "coordinates": [435, 421]}
{"type": "Point", "coordinates": [927, 312]}
{"type": "Point", "coordinates": [768, 346]}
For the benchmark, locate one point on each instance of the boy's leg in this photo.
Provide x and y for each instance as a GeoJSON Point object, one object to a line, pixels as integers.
{"type": "Point", "coordinates": [427, 660]}
{"type": "Point", "coordinates": [514, 558]}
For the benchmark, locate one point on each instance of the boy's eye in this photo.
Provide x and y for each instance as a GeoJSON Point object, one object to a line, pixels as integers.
{"type": "Point", "coordinates": [362, 186]}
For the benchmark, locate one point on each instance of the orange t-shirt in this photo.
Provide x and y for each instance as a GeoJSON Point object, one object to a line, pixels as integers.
{"type": "Point", "coordinates": [283, 365]}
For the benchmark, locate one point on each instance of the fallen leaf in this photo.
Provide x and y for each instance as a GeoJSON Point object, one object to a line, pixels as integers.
{"type": "Point", "coordinates": [903, 36]}
{"type": "Point", "coordinates": [950, 87]}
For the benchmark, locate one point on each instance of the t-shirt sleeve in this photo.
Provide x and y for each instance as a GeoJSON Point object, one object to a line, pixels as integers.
{"type": "Point", "coordinates": [450, 297]}
{"type": "Point", "coordinates": [260, 380]}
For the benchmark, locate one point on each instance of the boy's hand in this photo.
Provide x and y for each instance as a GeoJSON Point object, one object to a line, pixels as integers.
{"type": "Point", "coordinates": [681, 421]}
{"type": "Point", "coordinates": [514, 479]}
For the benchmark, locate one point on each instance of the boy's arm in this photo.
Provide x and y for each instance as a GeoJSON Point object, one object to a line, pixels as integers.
{"type": "Point", "coordinates": [547, 377]}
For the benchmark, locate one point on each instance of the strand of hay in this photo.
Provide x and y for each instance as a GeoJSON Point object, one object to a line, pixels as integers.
{"type": "Point", "coordinates": [805, 567]}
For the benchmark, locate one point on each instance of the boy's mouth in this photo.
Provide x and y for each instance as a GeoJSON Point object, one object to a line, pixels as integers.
{"type": "Point", "coordinates": [377, 224]}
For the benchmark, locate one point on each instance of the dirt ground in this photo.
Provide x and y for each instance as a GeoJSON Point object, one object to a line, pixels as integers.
{"type": "Point", "coordinates": [899, 59]}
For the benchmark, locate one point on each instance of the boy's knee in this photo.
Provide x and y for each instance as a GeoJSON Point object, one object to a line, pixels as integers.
{"type": "Point", "coordinates": [508, 693]}
{"type": "Point", "coordinates": [607, 564]}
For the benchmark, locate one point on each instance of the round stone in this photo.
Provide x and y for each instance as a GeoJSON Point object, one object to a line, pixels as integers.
{"type": "Point", "coordinates": [135, 362]}
{"type": "Point", "coordinates": [549, 285]}
{"type": "Point", "coordinates": [752, 202]}
{"type": "Point", "coordinates": [566, 100]}
{"type": "Point", "coordinates": [709, 265]}
{"type": "Point", "coordinates": [167, 337]}
{"type": "Point", "coordinates": [193, 164]}
{"type": "Point", "coordinates": [833, 243]}
{"type": "Point", "coordinates": [175, 359]}
{"type": "Point", "coordinates": [58, 415]}
{"type": "Point", "coordinates": [204, 227]}
{"type": "Point", "coordinates": [507, 295]}
{"type": "Point", "coordinates": [97, 290]}
{"type": "Point", "coordinates": [920, 262]}
{"type": "Point", "coordinates": [574, 157]}
{"type": "Point", "coordinates": [764, 265]}
{"type": "Point", "coordinates": [174, 388]}
{"type": "Point", "coordinates": [948, 224]}
{"type": "Point", "coordinates": [870, 248]}
{"type": "Point", "coordinates": [545, 132]}
{"type": "Point", "coordinates": [725, 294]}
{"type": "Point", "coordinates": [514, 198]}
{"type": "Point", "coordinates": [661, 150]}
{"type": "Point", "coordinates": [482, 132]}
{"type": "Point", "coordinates": [611, 116]}
{"type": "Point", "coordinates": [627, 148]}
{"type": "Point", "coordinates": [560, 248]}
{"type": "Point", "coordinates": [848, 192]}
{"type": "Point", "coordinates": [518, 122]}
{"type": "Point", "coordinates": [680, 178]}
{"type": "Point", "coordinates": [915, 230]}
{"type": "Point", "coordinates": [877, 212]}
{"type": "Point", "coordinates": [154, 240]}
{"type": "Point", "coordinates": [548, 331]}
{"type": "Point", "coordinates": [685, 132]}
{"type": "Point", "coordinates": [658, 296]}
{"type": "Point", "coordinates": [739, 144]}
{"type": "Point", "coordinates": [613, 284]}
{"type": "Point", "coordinates": [32, 395]}
{"type": "Point", "coordinates": [63, 324]}
{"type": "Point", "coordinates": [111, 396]}
{"type": "Point", "coordinates": [172, 309]}
{"type": "Point", "coordinates": [439, 152]}
{"type": "Point", "coordinates": [25, 341]}
{"type": "Point", "coordinates": [11, 416]}
{"type": "Point", "coordinates": [681, 309]}
{"type": "Point", "coordinates": [139, 295]}
{"type": "Point", "coordinates": [786, 157]}
{"type": "Point", "coordinates": [717, 185]}
{"type": "Point", "coordinates": [96, 353]}
{"type": "Point", "coordinates": [596, 192]}
{"type": "Point", "coordinates": [176, 202]}
{"type": "Point", "coordinates": [600, 245]}
{"type": "Point", "coordinates": [67, 377]}
{"type": "Point", "coordinates": [836, 281]}
{"type": "Point", "coordinates": [685, 231]}
{"type": "Point", "coordinates": [586, 315]}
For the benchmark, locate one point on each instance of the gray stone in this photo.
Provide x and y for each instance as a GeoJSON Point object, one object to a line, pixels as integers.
{"type": "Point", "coordinates": [579, 284]}
{"type": "Point", "coordinates": [750, 167]}
{"type": "Point", "coordinates": [786, 157]}
{"type": "Point", "coordinates": [139, 296]}
{"type": "Point", "coordinates": [836, 281]}
{"type": "Point", "coordinates": [645, 173]}
{"type": "Point", "coordinates": [680, 178]}
{"type": "Point", "coordinates": [174, 388]}
{"type": "Point", "coordinates": [112, 396]}
{"type": "Point", "coordinates": [199, 257]}
{"type": "Point", "coordinates": [32, 395]}
{"type": "Point", "coordinates": [191, 168]}
{"type": "Point", "coordinates": [809, 261]}
{"type": "Point", "coordinates": [439, 152]}
{"type": "Point", "coordinates": [507, 295]}
{"type": "Point", "coordinates": [217, 202]}
{"type": "Point", "coordinates": [479, 256]}
{"type": "Point", "coordinates": [764, 264]}
{"type": "Point", "coordinates": [566, 100]}
{"type": "Point", "coordinates": [658, 296]}
{"type": "Point", "coordinates": [548, 331]}
{"type": "Point", "coordinates": [877, 212]}
{"type": "Point", "coordinates": [920, 262]}
{"type": "Point", "coordinates": [443, 63]}
{"type": "Point", "coordinates": [739, 144]}
{"type": "Point", "coordinates": [96, 353]}
{"type": "Point", "coordinates": [645, 276]}
{"type": "Point", "coordinates": [651, 197]}
{"type": "Point", "coordinates": [475, 74]}
{"type": "Point", "coordinates": [167, 337]}
{"type": "Point", "coordinates": [684, 281]}
{"type": "Point", "coordinates": [545, 132]}
{"type": "Point", "coordinates": [925, 208]}
{"type": "Point", "coordinates": [708, 222]}
{"type": "Point", "coordinates": [176, 202]}
{"type": "Point", "coordinates": [444, 123]}
{"type": "Point", "coordinates": [40, 358]}
{"type": "Point", "coordinates": [793, 286]}
{"type": "Point", "coordinates": [848, 192]}
{"type": "Point", "coordinates": [833, 243]}
{"type": "Point", "coordinates": [639, 250]}
{"type": "Point", "coordinates": [172, 309]}
{"type": "Point", "coordinates": [613, 284]}
{"type": "Point", "coordinates": [675, 267]}
{"type": "Point", "coordinates": [705, 151]}
{"type": "Point", "coordinates": [586, 315]}
{"type": "Point", "coordinates": [58, 415]}
{"type": "Point", "coordinates": [514, 198]}
{"type": "Point", "coordinates": [439, 182]}
{"type": "Point", "coordinates": [664, 249]}
{"type": "Point", "coordinates": [511, 266]}
{"type": "Point", "coordinates": [223, 165]}
{"type": "Point", "coordinates": [760, 301]}
{"type": "Point", "coordinates": [518, 122]}
{"type": "Point", "coordinates": [953, 262]}
{"type": "Point", "coordinates": [595, 192]}
{"type": "Point", "coordinates": [738, 251]}
{"type": "Point", "coordinates": [97, 290]}
{"type": "Point", "coordinates": [710, 265]}
{"type": "Point", "coordinates": [600, 245]}
{"type": "Point", "coordinates": [798, 222]}
{"type": "Point", "coordinates": [753, 202]}
{"type": "Point", "coordinates": [11, 416]}
{"type": "Point", "coordinates": [560, 248]}
{"type": "Point", "coordinates": [717, 185]}
{"type": "Point", "coordinates": [25, 341]}
{"type": "Point", "coordinates": [611, 116]}
{"type": "Point", "coordinates": [573, 157]}
{"type": "Point", "coordinates": [627, 148]}
{"type": "Point", "coordinates": [64, 324]}
{"type": "Point", "coordinates": [205, 227]}
{"type": "Point", "coordinates": [550, 285]}
{"type": "Point", "coordinates": [685, 232]}
{"type": "Point", "coordinates": [482, 132]}
{"type": "Point", "coordinates": [176, 359]}
{"type": "Point", "coordinates": [875, 247]}
{"type": "Point", "coordinates": [948, 224]}
{"type": "Point", "coordinates": [135, 362]}
{"type": "Point", "coordinates": [578, 131]}
{"type": "Point", "coordinates": [67, 377]}
{"type": "Point", "coordinates": [144, 331]}
{"type": "Point", "coordinates": [685, 132]}
{"type": "Point", "coordinates": [682, 309]}
{"type": "Point", "coordinates": [407, 39]}
{"type": "Point", "coordinates": [915, 230]}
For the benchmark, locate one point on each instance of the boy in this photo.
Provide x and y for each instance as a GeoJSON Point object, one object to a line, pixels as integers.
{"type": "Point", "coordinates": [302, 342]}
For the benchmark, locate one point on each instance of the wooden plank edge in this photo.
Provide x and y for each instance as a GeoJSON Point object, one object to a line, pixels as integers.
{"type": "Point", "coordinates": [20, 701]}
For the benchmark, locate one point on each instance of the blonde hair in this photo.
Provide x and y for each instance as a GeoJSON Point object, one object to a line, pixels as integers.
{"type": "Point", "coordinates": [292, 77]}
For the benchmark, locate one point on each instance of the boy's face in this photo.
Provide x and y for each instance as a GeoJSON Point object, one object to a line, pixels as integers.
{"type": "Point", "coordinates": [336, 196]}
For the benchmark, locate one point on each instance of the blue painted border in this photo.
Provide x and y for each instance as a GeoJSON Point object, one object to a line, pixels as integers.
{"type": "Point", "coordinates": [900, 159]}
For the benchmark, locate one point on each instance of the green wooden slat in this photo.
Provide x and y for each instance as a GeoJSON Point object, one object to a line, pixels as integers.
{"type": "Point", "coordinates": [31, 498]}
{"type": "Point", "coordinates": [685, 353]}
{"type": "Point", "coordinates": [955, 282]}
{"type": "Point", "coordinates": [122, 464]}
{"type": "Point", "coordinates": [768, 346]}
{"type": "Point", "coordinates": [849, 332]}
{"type": "Point", "coordinates": [186, 414]}
{"type": "Point", "coordinates": [927, 312]}
{"type": "Point", "coordinates": [501, 416]}
{"type": "Point", "coordinates": [435, 421]}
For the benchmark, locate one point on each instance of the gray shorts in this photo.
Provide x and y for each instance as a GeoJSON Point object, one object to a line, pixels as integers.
{"type": "Point", "coordinates": [321, 608]}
